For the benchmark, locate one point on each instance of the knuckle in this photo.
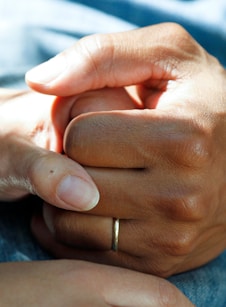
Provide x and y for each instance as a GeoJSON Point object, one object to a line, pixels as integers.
{"type": "Point", "coordinates": [187, 208]}
{"type": "Point", "coordinates": [182, 243]}
{"type": "Point", "coordinates": [197, 151]}
{"type": "Point", "coordinates": [176, 30]}
{"type": "Point", "coordinates": [182, 39]}
{"type": "Point", "coordinates": [89, 47]}
{"type": "Point", "coordinates": [61, 224]}
{"type": "Point", "coordinates": [56, 221]}
{"type": "Point", "coordinates": [41, 161]}
{"type": "Point", "coordinates": [98, 52]}
{"type": "Point", "coordinates": [191, 151]}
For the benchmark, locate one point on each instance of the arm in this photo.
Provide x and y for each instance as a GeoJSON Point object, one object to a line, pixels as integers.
{"type": "Point", "coordinates": [74, 283]}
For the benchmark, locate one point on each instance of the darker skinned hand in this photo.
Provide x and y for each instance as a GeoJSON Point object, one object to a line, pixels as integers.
{"type": "Point", "coordinates": [159, 165]}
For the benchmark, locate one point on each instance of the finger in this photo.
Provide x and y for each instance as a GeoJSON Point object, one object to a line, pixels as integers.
{"type": "Point", "coordinates": [130, 139]}
{"type": "Point", "coordinates": [140, 194]}
{"type": "Point", "coordinates": [53, 177]}
{"type": "Point", "coordinates": [111, 60]}
{"type": "Point", "coordinates": [132, 251]}
{"type": "Point", "coordinates": [126, 193]}
{"type": "Point", "coordinates": [66, 108]}
{"type": "Point", "coordinates": [60, 250]}
{"type": "Point", "coordinates": [93, 232]}
{"type": "Point", "coordinates": [106, 99]}
{"type": "Point", "coordinates": [80, 230]}
{"type": "Point", "coordinates": [147, 239]}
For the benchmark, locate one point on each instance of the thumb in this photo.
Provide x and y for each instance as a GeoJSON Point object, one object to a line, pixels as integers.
{"type": "Point", "coordinates": [114, 60]}
{"type": "Point", "coordinates": [53, 177]}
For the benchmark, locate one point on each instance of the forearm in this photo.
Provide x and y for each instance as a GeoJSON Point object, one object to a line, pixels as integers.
{"type": "Point", "coordinates": [76, 283]}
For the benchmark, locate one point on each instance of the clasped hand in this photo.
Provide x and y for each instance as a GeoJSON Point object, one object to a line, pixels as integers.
{"type": "Point", "coordinates": [148, 124]}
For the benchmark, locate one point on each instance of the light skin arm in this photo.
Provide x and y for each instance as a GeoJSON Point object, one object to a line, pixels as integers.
{"type": "Point", "coordinates": [75, 283]}
{"type": "Point", "coordinates": [161, 169]}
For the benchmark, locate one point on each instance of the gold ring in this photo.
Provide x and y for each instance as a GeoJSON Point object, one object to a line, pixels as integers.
{"type": "Point", "coordinates": [115, 234]}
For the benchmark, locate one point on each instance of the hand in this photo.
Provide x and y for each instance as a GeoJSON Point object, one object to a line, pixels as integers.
{"type": "Point", "coordinates": [31, 134]}
{"type": "Point", "coordinates": [160, 170]}
{"type": "Point", "coordinates": [74, 283]}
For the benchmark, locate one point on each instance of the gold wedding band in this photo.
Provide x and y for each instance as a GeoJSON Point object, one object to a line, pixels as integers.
{"type": "Point", "coordinates": [115, 234]}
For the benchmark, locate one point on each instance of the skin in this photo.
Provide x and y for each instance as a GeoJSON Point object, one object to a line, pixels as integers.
{"type": "Point", "coordinates": [160, 169]}
{"type": "Point", "coordinates": [31, 142]}
{"type": "Point", "coordinates": [31, 159]}
{"type": "Point", "coordinates": [82, 284]}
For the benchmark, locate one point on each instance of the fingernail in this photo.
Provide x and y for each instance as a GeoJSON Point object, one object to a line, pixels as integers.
{"type": "Point", "coordinates": [47, 71]}
{"type": "Point", "coordinates": [77, 193]}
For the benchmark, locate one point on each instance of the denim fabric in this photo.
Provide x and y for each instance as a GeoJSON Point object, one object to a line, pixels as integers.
{"type": "Point", "coordinates": [33, 31]}
{"type": "Point", "coordinates": [16, 240]}
{"type": "Point", "coordinates": [205, 286]}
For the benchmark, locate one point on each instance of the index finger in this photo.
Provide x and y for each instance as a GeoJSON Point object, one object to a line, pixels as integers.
{"type": "Point", "coordinates": [129, 139]}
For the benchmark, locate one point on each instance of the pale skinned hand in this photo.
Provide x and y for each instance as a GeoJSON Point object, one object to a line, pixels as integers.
{"type": "Point", "coordinates": [28, 133]}
{"type": "Point", "coordinates": [31, 137]}
{"type": "Point", "coordinates": [75, 283]}
{"type": "Point", "coordinates": [160, 170]}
